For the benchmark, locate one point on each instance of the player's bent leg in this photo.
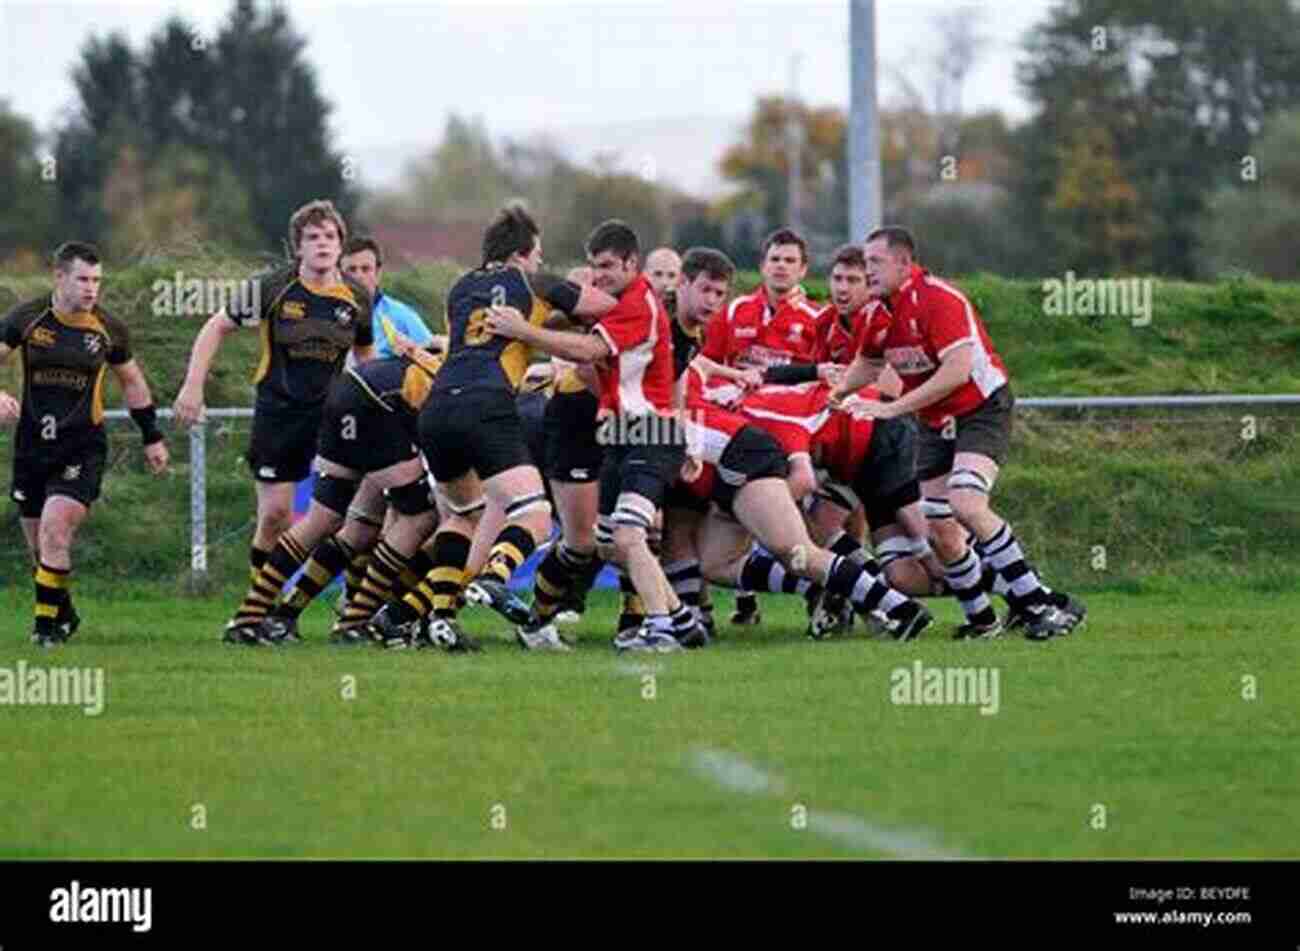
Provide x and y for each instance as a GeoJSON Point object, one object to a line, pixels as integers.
{"type": "Point", "coordinates": [412, 518]}
{"type": "Point", "coordinates": [896, 554]}
{"type": "Point", "coordinates": [401, 623]}
{"type": "Point", "coordinates": [568, 570]}
{"type": "Point", "coordinates": [681, 559]}
{"type": "Point", "coordinates": [274, 515]}
{"type": "Point", "coordinates": [333, 492]}
{"type": "Point", "coordinates": [522, 498]}
{"type": "Point", "coordinates": [53, 613]}
{"type": "Point", "coordinates": [360, 533]}
{"type": "Point", "coordinates": [1041, 612]}
{"type": "Point", "coordinates": [777, 526]}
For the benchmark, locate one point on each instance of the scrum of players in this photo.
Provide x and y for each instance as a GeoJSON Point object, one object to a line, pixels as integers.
{"type": "Point", "coordinates": [844, 454]}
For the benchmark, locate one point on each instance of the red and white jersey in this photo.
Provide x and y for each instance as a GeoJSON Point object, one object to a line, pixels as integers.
{"type": "Point", "coordinates": [926, 319]}
{"type": "Point", "coordinates": [637, 377]}
{"type": "Point", "coordinates": [841, 336]}
{"type": "Point", "coordinates": [752, 333]}
{"type": "Point", "coordinates": [709, 424]}
{"type": "Point", "coordinates": [841, 446]}
{"type": "Point", "coordinates": [792, 414]}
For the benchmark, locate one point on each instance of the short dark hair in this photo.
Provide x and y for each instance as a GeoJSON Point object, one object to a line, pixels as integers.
{"type": "Point", "coordinates": [616, 236]}
{"type": "Point", "coordinates": [850, 255]}
{"type": "Point", "coordinates": [784, 236]}
{"type": "Point", "coordinates": [512, 231]}
{"type": "Point", "coordinates": [363, 243]}
{"type": "Point", "coordinates": [895, 237]}
{"type": "Point", "coordinates": [708, 261]}
{"type": "Point", "coordinates": [71, 251]}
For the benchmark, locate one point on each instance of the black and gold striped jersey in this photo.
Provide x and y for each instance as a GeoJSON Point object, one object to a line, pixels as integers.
{"type": "Point", "coordinates": [306, 333]}
{"type": "Point", "coordinates": [398, 384]}
{"type": "Point", "coordinates": [64, 360]}
{"type": "Point", "coordinates": [479, 359]}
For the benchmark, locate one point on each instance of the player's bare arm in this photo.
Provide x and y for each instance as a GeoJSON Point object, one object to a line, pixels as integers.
{"type": "Point", "coordinates": [952, 373]}
{"type": "Point", "coordinates": [580, 348]}
{"type": "Point", "coordinates": [10, 408]}
{"type": "Point", "coordinates": [863, 371]}
{"type": "Point", "coordinates": [747, 377]}
{"type": "Point", "coordinates": [189, 401]}
{"type": "Point", "coordinates": [139, 401]}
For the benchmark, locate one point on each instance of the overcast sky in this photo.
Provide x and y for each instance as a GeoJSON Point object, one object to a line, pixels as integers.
{"type": "Point", "coordinates": [664, 84]}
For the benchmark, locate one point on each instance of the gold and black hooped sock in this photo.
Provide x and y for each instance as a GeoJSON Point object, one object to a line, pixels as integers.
{"type": "Point", "coordinates": [437, 593]}
{"type": "Point", "coordinates": [417, 566]}
{"type": "Point", "coordinates": [51, 591]}
{"type": "Point", "coordinates": [385, 568]}
{"type": "Point", "coordinates": [557, 577]}
{"type": "Point", "coordinates": [509, 551]}
{"type": "Point", "coordinates": [327, 561]}
{"type": "Point", "coordinates": [280, 565]}
{"type": "Point", "coordinates": [256, 559]}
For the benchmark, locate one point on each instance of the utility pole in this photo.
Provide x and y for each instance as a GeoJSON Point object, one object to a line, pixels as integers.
{"type": "Point", "coordinates": [864, 122]}
{"type": "Point", "coordinates": [794, 137]}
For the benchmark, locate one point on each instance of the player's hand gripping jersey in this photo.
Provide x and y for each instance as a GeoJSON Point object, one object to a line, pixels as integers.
{"type": "Point", "coordinates": [925, 320]}
{"type": "Point", "coordinates": [478, 359]}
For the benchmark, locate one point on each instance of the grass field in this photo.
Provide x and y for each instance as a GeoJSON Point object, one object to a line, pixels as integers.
{"type": "Point", "coordinates": [1136, 738]}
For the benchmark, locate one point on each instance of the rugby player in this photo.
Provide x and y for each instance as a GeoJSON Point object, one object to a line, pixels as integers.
{"type": "Point", "coordinates": [368, 432]}
{"type": "Point", "coordinates": [773, 326]}
{"type": "Point", "coordinates": [663, 269]}
{"type": "Point", "coordinates": [309, 315]}
{"type": "Point", "coordinates": [643, 438]}
{"type": "Point", "coordinates": [472, 437]}
{"type": "Point", "coordinates": [67, 342]}
{"type": "Point", "coordinates": [954, 380]}
{"type": "Point", "coordinates": [747, 480]}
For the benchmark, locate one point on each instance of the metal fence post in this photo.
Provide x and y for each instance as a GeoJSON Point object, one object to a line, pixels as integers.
{"type": "Point", "coordinates": [198, 505]}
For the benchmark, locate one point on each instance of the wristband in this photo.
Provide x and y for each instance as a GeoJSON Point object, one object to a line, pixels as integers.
{"type": "Point", "coordinates": [146, 417]}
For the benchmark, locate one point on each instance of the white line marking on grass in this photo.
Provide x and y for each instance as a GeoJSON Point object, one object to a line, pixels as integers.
{"type": "Point", "coordinates": [732, 772]}
{"type": "Point", "coordinates": [739, 775]}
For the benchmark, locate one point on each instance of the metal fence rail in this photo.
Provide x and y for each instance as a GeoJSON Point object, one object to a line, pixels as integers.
{"type": "Point", "coordinates": [198, 441]}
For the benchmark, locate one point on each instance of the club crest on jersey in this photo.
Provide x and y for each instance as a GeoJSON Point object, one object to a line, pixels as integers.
{"type": "Point", "coordinates": [93, 343]}
{"type": "Point", "coordinates": [42, 337]}
{"type": "Point", "coordinates": [343, 315]}
{"type": "Point", "coordinates": [71, 472]}
{"type": "Point", "coordinates": [796, 333]}
{"type": "Point", "coordinates": [293, 309]}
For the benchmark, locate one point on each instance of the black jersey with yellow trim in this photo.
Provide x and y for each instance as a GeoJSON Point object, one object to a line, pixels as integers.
{"type": "Point", "coordinates": [306, 332]}
{"type": "Point", "coordinates": [398, 384]}
{"type": "Point", "coordinates": [479, 359]}
{"type": "Point", "coordinates": [65, 358]}
{"type": "Point", "coordinates": [686, 346]}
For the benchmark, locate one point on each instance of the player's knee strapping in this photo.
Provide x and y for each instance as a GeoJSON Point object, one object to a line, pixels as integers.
{"type": "Point", "coordinates": [892, 549]}
{"type": "Point", "coordinates": [935, 509]}
{"type": "Point", "coordinates": [523, 504]}
{"type": "Point", "coordinates": [970, 480]}
{"type": "Point", "coordinates": [411, 499]}
{"type": "Point", "coordinates": [334, 493]}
